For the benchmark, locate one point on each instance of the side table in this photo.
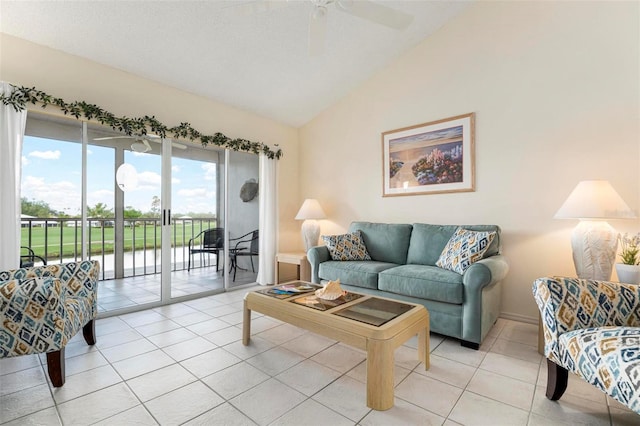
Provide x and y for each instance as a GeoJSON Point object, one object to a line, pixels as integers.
{"type": "Point", "coordinates": [299, 259]}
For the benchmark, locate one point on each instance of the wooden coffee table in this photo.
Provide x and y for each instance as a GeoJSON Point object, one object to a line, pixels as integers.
{"type": "Point", "coordinates": [350, 323]}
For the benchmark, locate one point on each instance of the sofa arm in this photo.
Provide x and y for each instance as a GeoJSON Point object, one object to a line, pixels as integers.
{"type": "Point", "coordinates": [485, 272]}
{"type": "Point", "coordinates": [33, 316]}
{"type": "Point", "coordinates": [567, 304]}
{"type": "Point", "coordinates": [317, 255]}
{"type": "Point", "coordinates": [482, 297]}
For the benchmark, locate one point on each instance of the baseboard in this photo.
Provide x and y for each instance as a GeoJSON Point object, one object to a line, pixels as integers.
{"type": "Point", "coordinates": [519, 317]}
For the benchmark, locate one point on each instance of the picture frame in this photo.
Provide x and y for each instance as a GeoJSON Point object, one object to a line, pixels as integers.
{"type": "Point", "coordinates": [430, 158]}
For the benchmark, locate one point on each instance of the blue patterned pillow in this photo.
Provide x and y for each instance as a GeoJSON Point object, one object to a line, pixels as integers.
{"type": "Point", "coordinates": [346, 247]}
{"type": "Point", "coordinates": [464, 249]}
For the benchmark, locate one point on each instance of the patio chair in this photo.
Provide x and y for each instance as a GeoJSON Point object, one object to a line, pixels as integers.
{"type": "Point", "coordinates": [28, 257]}
{"type": "Point", "coordinates": [43, 307]}
{"type": "Point", "coordinates": [210, 241]}
{"type": "Point", "coordinates": [246, 245]}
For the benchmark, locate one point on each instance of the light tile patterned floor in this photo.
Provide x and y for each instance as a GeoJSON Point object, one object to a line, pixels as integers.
{"type": "Point", "coordinates": [127, 292]}
{"type": "Point", "coordinates": [185, 364]}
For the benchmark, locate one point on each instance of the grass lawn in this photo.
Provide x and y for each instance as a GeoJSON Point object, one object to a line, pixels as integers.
{"type": "Point", "coordinates": [68, 238]}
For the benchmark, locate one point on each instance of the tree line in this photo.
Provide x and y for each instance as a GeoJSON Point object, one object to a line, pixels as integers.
{"type": "Point", "coordinates": [41, 209]}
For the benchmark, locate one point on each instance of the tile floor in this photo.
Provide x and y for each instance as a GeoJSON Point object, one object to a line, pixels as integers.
{"type": "Point", "coordinates": [127, 292]}
{"type": "Point", "coordinates": [185, 364]}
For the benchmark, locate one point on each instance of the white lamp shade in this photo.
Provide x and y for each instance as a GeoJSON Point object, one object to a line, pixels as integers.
{"type": "Point", "coordinates": [309, 212]}
{"type": "Point", "coordinates": [310, 209]}
{"type": "Point", "coordinates": [594, 199]}
{"type": "Point", "coordinates": [594, 241]}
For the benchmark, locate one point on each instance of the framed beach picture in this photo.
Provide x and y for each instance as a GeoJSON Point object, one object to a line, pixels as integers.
{"type": "Point", "coordinates": [429, 158]}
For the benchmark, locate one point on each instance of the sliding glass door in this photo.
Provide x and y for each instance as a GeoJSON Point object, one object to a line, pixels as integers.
{"type": "Point", "coordinates": [197, 231]}
{"type": "Point", "coordinates": [166, 219]}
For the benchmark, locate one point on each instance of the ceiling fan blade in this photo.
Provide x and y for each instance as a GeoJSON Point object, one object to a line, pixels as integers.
{"type": "Point", "coordinates": [317, 30]}
{"type": "Point", "coordinates": [148, 135]}
{"type": "Point", "coordinates": [114, 137]}
{"type": "Point", "coordinates": [376, 12]}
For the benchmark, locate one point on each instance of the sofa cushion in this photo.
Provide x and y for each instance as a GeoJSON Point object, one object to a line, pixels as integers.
{"type": "Point", "coordinates": [346, 247]}
{"type": "Point", "coordinates": [424, 282]}
{"type": "Point", "coordinates": [464, 249]}
{"type": "Point", "coordinates": [385, 242]}
{"type": "Point", "coordinates": [356, 273]}
{"type": "Point", "coordinates": [428, 241]}
{"type": "Point", "coordinates": [607, 357]}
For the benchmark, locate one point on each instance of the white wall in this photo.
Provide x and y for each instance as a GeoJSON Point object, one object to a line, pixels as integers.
{"type": "Point", "coordinates": [243, 216]}
{"type": "Point", "coordinates": [555, 89]}
{"type": "Point", "coordinates": [73, 78]}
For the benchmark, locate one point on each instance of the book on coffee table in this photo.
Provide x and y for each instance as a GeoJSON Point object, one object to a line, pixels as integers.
{"type": "Point", "coordinates": [290, 289]}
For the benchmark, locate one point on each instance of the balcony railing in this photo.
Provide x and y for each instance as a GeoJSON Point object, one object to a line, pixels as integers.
{"type": "Point", "coordinates": [60, 240]}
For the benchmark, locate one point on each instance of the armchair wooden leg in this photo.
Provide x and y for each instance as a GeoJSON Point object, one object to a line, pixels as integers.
{"type": "Point", "coordinates": [89, 332]}
{"type": "Point", "coordinates": [55, 367]}
{"type": "Point", "coordinates": [557, 378]}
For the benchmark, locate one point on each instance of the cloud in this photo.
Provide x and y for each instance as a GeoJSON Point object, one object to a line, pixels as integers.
{"type": "Point", "coordinates": [209, 171]}
{"type": "Point", "coordinates": [194, 192]}
{"type": "Point", "coordinates": [25, 161]}
{"type": "Point", "coordinates": [149, 179]}
{"type": "Point", "coordinates": [175, 169]}
{"type": "Point", "coordinates": [199, 206]}
{"type": "Point", "coordinates": [62, 195]}
{"type": "Point", "coordinates": [104, 196]}
{"type": "Point", "coordinates": [45, 155]}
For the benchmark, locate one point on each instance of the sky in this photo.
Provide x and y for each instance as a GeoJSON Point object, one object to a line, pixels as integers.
{"type": "Point", "coordinates": [51, 172]}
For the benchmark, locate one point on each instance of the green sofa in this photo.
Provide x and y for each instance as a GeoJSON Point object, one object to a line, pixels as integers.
{"type": "Point", "coordinates": [403, 267]}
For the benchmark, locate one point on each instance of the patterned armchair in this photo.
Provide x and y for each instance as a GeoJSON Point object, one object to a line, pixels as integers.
{"type": "Point", "coordinates": [43, 307]}
{"type": "Point", "coordinates": [591, 329]}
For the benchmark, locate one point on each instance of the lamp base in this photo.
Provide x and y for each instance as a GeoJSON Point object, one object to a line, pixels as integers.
{"type": "Point", "coordinates": [594, 246]}
{"type": "Point", "coordinates": [310, 233]}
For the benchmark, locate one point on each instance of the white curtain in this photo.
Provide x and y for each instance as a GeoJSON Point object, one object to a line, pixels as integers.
{"type": "Point", "coordinates": [268, 220]}
{"type": "Point", "coordinates": [12, 125]}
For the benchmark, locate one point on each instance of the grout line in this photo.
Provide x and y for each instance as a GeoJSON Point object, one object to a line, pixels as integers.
{"type": "Point", "coordinates": [232, 303]}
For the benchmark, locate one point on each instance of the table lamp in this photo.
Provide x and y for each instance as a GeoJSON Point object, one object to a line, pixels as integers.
{"type": "Point", "coordinates": [594, 241]}
{"type": "Point", "coordinates": [309, 212]}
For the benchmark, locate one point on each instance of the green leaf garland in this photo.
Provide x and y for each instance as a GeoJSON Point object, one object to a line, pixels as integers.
{"type": "Point", "coordinates": [21, 96]}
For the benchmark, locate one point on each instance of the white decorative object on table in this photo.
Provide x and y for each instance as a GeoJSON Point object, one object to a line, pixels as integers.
{"type": "Point", "coordinates": [594, 241]}
{"type": "Point", "coordinates": [330, 291]}
{"type": "Point", "coordinates": [309, 212]}
{"type": "Point", "coordinates": [629, 271]}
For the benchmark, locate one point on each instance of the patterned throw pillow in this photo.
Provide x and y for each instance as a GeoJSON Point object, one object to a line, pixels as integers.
{"type": "Point", "coordinates": [346, 247]}
{"type": "Point", "coordinates": [464, 249]}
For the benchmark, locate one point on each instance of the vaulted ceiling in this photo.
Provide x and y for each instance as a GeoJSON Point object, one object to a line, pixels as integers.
{"type": "Point", "coordinates": [249, 54]}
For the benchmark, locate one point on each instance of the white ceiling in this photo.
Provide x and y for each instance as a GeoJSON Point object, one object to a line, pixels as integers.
{"type": "Point", "coordinates": [230, 51]}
